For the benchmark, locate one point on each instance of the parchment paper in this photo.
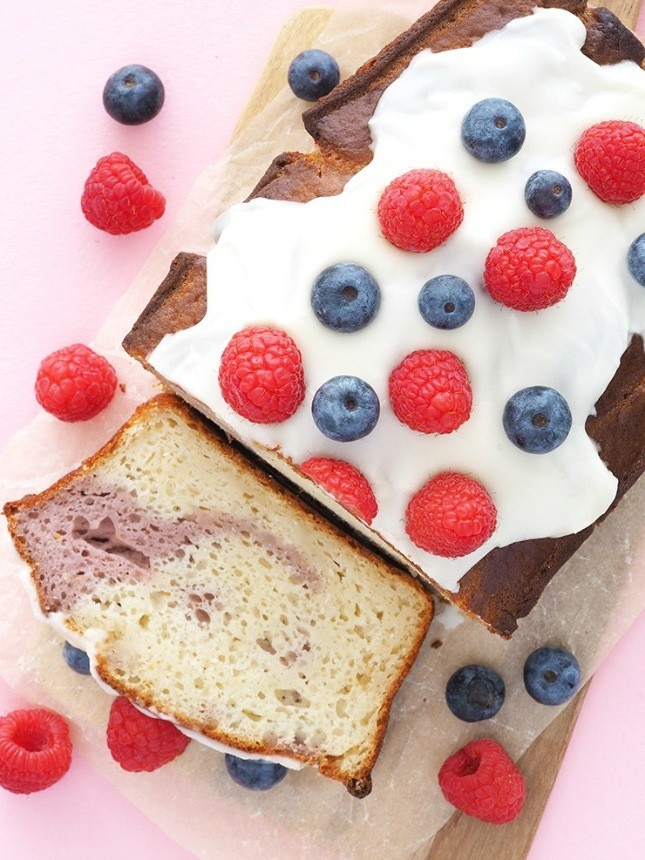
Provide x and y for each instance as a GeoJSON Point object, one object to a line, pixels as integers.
{"type": "Point", "coordinates": [591, 602]}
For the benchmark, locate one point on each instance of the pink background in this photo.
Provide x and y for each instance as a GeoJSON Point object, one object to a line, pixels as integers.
{"type": "Point", "coordinates": [61, 277]}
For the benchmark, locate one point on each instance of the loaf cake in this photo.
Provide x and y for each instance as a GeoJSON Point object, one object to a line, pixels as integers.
{"type": "Point", "coordinates": [208, 595]}
{"type": "Point", "coordinates": [403, 111]}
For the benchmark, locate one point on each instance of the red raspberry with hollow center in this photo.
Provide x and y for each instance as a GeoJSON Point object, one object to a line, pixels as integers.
{"type": "Point", "coordinates": [345, 483]}
{"type": "Point", "coordinates": [430, 391]}
{"type": "Point", "coordinates": [419, 210]}
{"type": "Point", "coordinates": [482, 780]}
{"type": "Point", "coordinates": [118, 198]}
{"type": "Point", "coordinates": [261, 375]}
{"type": "Point", "coordinates": [610, 157]}
{"type": "Point", "coordinates": [139, 742]}
{"type": "Point", "coordinates": [75, 383]}
{"type": "Point", "coordinates": [35, 750]}
{"type": "Point", "coordinates": [529, 269]}
{"type": "Point", "coordinates": [450, 516]}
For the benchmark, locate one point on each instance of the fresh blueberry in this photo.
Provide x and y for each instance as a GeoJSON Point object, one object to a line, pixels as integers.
{"type": "Point", "coordinates": [551, 675]}
{"type": "Point", "coordinates": [537, 419]}
{"type": "Point", "coordinates": [547, 193]}
{"type": "Point", "coordinates": [76, 659]}
{"type": "Point", "coordinates": [446, 301]}
{"type": "Point", "coordinates": [345, 297]}
{"type": "Point", "coordinates": [345, 408]}
{"type": "Point", "coordinates": [313, 74]}
{"type": "Point", "coordinates": [493, 130]}
{"type": "Point", "coordinates": [636, 259]}
{"type": "Point", "coordinates": [475, 693]}
{"type": "Point", "coordinates": [133, 95]}
{"type": "Point", "coordinates": [257, 774]}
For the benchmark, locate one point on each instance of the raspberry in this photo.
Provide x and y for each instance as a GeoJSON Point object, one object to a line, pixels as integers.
{"type": "Point", "coordinates": [610, 157]}
{"type": "Point", "coordinates": [75, 383]}
{"type": "Point", "coordinates": [118, 198]}
{"type": "Point", "coordinates": [482, 780]}
{"type": "Point", "coordinates": [419, 210]}
{"type": "Point", "coordinates": [529, 269]}
{"type": "Point", "coordinates": [345, 483]}
{"type": "Point", "coordinates": [35, 750]}
{"type": "Point", "coordinates": [138, 742]}
{"type": "Point", "coordinates": [261, 375]}
{"type": "Point", "coordinates": [452, 515]}
{"type": "Point", "coordinates": [430, 391]}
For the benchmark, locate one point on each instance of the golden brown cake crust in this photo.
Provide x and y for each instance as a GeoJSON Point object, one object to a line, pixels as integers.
{"type": "Point", "coordinates": [506, 584]}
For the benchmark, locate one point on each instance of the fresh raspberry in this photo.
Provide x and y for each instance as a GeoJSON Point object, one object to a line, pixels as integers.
{"type": "Point", "coordinates": [345, 483]}
{"type": "Point", "coordinates": [118, 198]}
{"type": "Point", "coordinates": [420, 210]}
{"type": "Point", "coordinates": [610, 157]}
{"type": "Point", "coordinates": [35, 750]}
{"type": "Point", "coordinates": [482, 780]}
{"type": "Point", "coordinates": [261, 374]}
{"type": "Point", "coordinates": [452, 515]}
{"type": "Point", "coordinates": [138, 742]}
{"type": "Point", "coordinates": [430, 391]}
{"type": "Point", "coordinates": [75, 383]}
{"type": "Point", "coordinates": [529, 269]}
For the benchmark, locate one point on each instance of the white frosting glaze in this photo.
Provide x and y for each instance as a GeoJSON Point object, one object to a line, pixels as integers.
{"type": "Point", "coordinates": [269, 252]}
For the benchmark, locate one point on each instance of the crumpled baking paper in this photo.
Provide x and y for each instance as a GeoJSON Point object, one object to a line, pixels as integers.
{"type": "Point", "coordinates": [586, 608]}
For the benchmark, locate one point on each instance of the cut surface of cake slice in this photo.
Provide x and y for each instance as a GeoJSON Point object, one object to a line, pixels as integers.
{"type": "Point", "coordinates": [209, 595]}
{"type": "Point", "coordinates": [400, 112]}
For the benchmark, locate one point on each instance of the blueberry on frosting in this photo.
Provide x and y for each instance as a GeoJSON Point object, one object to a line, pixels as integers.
{"type": "Point", "coordinates": [493, 130]}
{"type": "Point", "coordinates": [345, 408]}
{"type": "Point", "coordinates": [537, 419]}
{"type": "Point", "coordinates": [345, 297]}
{"type": "Point", "coordinates": [636, 259]}
{"type": "Point", "coordinates": [547, 193]}
{"type": "Point", "coordinates": [446, 302]}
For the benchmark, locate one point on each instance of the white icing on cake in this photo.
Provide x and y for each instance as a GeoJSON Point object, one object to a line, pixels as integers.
{"type": "Point", "coordinates": [268, 254]}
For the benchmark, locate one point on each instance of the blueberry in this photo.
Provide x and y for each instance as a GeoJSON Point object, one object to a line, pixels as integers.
{"type": "Point", "coordinates": [475, 693]}
{"type": "Point", "coordinates": [345, 297]}
{"type": "Point", "coordinates": [313, 74]}
{"type": "Point", "coordinates": [345, 408]}
{"type": "Point", "coordinates": [493, 130]}
{"type": "Point", "coordinates": [551, 675]}
{"type": "Point", "coordinates": [133, 95]}
{"type": "Point", "coordinates": [76, 659]}
{"type": "Point", "coordinates": [257, 774]}
{"type": "Point", "coordinates": [547, 193]}
{"type": "Point", "coordinates": [636, 259]}
{"type": "Point", "coordinates": [446, 301]}
{"type": "Point", "coordinates": [537, 419]}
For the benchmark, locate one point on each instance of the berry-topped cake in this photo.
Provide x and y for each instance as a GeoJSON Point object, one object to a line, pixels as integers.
{"type": "Point", "coordinates": [433, 323]}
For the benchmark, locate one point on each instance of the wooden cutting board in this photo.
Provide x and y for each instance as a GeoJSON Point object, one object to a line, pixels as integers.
{"type": "Point", "coordinates": [461, 838]}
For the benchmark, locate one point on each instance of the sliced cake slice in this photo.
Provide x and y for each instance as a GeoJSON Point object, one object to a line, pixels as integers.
{"type": "Point", "coordinates": [209, 595]}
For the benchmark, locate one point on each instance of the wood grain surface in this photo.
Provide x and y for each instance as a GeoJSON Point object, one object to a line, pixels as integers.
{"type": "Point", "coordinates": [461, 838]}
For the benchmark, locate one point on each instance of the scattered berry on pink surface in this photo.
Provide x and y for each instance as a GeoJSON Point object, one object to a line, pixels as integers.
{"type": "Point", "coordinates": [35, 750]}
{"type": "Point", "coordinates": [118, 198]}
{"type": "Point", "coordinates": [75, 383]}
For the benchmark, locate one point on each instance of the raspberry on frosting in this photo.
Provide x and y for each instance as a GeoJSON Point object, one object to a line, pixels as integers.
{"type": "Point", "coordinates": [610, 157]}
{"type": "Point", "coordinates": [482, 780]}
{"type": "Point", "coordinates": [419, 210]}
{"type": "Point", "coordinates": [450, 516]}
{"type": "Point", "coordinates": [139, 742]}
{"type": "Point", "coordinates": [430, 391]}
{"type": "Point", "coordinates": [118, 198]}
{"type": "Point", "coordinates": [529, 269]}
{"type": "Point", "coordinates": [345, 483]}
{"type": "Point", "coordinates": [75, 383]}
{"type": "Point", "coordinates": [261, 375]}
